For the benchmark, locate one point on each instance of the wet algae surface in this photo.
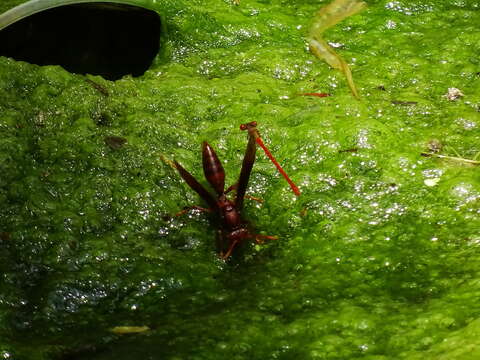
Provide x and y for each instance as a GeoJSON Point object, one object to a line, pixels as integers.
{"type": "Point", "coordinates": [378, 258]}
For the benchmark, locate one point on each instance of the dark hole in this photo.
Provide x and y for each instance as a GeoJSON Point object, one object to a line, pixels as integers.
{"type": "Point", "coordinates": [104, 39]}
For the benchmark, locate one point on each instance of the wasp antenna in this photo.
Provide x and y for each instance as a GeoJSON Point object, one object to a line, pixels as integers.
{"type": "Point", "coordinates": [252, 131]}
{"type": "Point", "coordinates": [294, 187]}
{"type": "Point", "coordinates": [168, 161]}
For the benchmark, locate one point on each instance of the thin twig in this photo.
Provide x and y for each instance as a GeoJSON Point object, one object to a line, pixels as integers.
{"type": "Point", "coordinates": [452, 158]}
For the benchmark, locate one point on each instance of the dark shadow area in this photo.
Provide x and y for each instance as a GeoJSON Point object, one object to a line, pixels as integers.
{"type": "Point", "coordinates": [104, 39]}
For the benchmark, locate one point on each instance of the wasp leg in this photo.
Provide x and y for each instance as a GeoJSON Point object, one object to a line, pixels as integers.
{"type": "Point", "coordinates": [234, 187]}
{"type": "Point", "coordinates": [260, 239]}
{"type": "Point", "coordinates": [253, 198]}
{"type": "Point", "coordinates": [220, 240]}
{"type": "Point", "coordinates": [194, 207]}
{"type": "Point", "coordinates": [229, 251]}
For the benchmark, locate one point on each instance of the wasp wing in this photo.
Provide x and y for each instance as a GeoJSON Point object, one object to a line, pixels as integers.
{"type": "Point", "coordinates": [195, 185]}
{"type": "Point", "coordinates": [212, 168]}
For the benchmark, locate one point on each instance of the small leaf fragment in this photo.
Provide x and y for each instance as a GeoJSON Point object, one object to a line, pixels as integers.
{"type": "Point", "coordinates": [325, 18]}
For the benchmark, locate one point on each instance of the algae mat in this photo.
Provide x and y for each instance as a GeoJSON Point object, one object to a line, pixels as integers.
{"type": "Point", "coordinates": [378, 259]}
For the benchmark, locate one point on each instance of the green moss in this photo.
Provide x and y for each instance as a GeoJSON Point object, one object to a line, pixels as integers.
{"type": "Point", "coordinates": [380, 266]}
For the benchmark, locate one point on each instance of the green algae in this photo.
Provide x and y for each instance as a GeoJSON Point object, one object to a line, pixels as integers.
{"type": "Point", "coordinates": [380, 266]}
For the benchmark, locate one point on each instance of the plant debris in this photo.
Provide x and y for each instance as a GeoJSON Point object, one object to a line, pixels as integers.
{"type": "Point", "coordinates": [453, 94]}
{"type": "Point", "coordinates": [325, 18]}
{"type": "Point", "coordinates": [115, 142]}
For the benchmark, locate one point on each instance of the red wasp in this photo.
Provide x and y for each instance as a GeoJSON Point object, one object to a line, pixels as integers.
{"type": "Point", "coordinates": [233, 229]}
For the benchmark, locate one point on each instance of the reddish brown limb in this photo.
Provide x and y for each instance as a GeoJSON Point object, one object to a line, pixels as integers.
{"type": "Point", "coordinates": [220, 238]}
{"type": "Point", "coordinates": [247, 165]}
{"type": "Point", "coordinates": [253, 198]}
{"type": "Point", "coordinates": [195, 185]}
{"type": "Point", "coordinates": [260, 239]}
{"type": "Point", "coordinates": [234, 187]}
{"type": "Point", "coordinates": [229, 251]}
{"type": "Point", "coordinates": [253, 132]}
{"type": "Point", "coordinates": [193, 207]}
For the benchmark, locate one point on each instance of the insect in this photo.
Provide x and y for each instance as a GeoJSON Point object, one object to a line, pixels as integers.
{"type": "Point", "coordinates": [233, 228]}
